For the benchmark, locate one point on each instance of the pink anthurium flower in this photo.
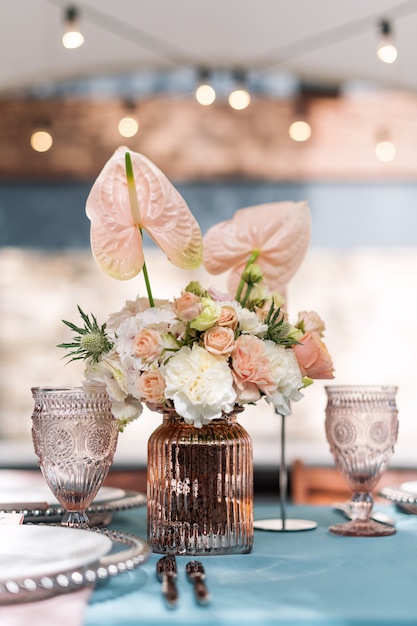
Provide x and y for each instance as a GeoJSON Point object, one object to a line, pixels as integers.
{"type": "Point", "coordinates": [276, 235]}
{"type": "Point", "coordinates": [122, 203]}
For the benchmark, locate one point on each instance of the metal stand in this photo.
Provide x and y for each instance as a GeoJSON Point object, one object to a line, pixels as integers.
{"type": "Point", "coordinates": [283, 524]}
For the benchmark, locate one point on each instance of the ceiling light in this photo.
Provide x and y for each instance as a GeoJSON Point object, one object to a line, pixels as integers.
{"type": "Point", "coordinates": [205, 93]}
{"type": "Point", "coordinates": [72, 37]}
{"type": "Point", "coordinates": [41, 140]}
{"type": "Point", "coordinates": [300, 130]}
{"type": "Point", "coordinates": [386, 50]}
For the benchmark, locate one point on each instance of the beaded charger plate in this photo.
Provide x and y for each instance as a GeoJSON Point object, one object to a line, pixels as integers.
{"type": "Point", "coordinates": [28, 494]}
{"type": "Point", "coordinates": [40, 561]}
{"type": "Point", "coordinates": [403, 495]}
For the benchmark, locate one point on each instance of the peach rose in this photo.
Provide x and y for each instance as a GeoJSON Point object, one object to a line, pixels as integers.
{"type": "Point", "coordinates": [151, 386]}
{"type": "Point", "coordinates": [251, 369]}
{"type": "Point", "coordinates": [219, 341]}
{"type": "Point", "coordinates": [188, 306]}
{"type": "Point", "coordinates": [228, 317]}
{"type": "Point", "coordinates": [147, 344]}
{"type": "Point", "coordinates": [310, 321]}
{"type": "Point", "coordinates": [313, 357]}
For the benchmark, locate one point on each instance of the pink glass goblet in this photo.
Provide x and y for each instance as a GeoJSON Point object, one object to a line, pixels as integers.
{"type": "Point", "coordinates": [75, 435]}
{"type": "Point", "coordinates": [361, 428]}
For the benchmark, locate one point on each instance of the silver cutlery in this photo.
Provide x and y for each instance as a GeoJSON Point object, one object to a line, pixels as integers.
{"type": "Point", "coordinates": [344, 507]}
{"type": "Point", "coordinates": [166, 570]}
{"type": "Point", "coordinates": [196, 575]}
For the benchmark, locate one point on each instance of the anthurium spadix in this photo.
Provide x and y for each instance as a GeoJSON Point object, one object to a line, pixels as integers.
{"type": "Point", "coordinates": [128, 199]}
{"type": "Point", "coordinates": [275, 236]}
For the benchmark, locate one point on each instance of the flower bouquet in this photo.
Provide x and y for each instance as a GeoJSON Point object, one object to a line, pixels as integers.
{"type": "Point", "coordinates": [202, 356]}
{"type": "Point", "coordinates": [205, 351]}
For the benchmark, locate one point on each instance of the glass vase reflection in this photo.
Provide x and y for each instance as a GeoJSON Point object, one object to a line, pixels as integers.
{"type": "Point", "coordinates": [200, 487]}
{"type": "Point", "coordinates": [75, 436]}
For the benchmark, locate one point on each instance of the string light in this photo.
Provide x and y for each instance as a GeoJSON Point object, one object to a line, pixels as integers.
{"type": "Point", "coordinates": [205, 94]}
{"type": "Point", "coordinates": [41, 140]}
{"type": "Point", "coordinates": [386, 50]}
{"type": "Point", "coordinates": [385, 150]}
{"type": "Point", "coordinates": [300, 130]}
{"type": "Point", "coordinates": [72, 37]}
{"type": "Point", "coordinates": [239, 98]}
{"type": "Point", "coordinates": [128, 125]}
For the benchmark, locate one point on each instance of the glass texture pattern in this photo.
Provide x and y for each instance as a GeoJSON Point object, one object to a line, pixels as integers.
{"type": "Point", "coordinates": [200, 487]}
{"type": "Point", "coordinates": [361, 428]}
{"type": "Point", "coordinates": [75, 436]}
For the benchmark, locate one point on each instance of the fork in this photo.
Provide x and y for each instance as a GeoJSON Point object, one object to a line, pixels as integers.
{"type": "Point", "coordinates": [196, 575]}
{"type": "Point", "coordinates": [166, 571]}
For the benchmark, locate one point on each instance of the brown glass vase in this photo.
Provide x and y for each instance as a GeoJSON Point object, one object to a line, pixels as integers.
{"type": "Point", "coordinates": [200, 487]}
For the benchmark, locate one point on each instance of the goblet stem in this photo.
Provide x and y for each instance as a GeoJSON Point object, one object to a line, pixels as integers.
{"type": "Point", "coordinates": [361, 506]}
{"type": "Point", "coordinates": [75, 519]}
{"type": "Point", "coordinates": [361, 524]}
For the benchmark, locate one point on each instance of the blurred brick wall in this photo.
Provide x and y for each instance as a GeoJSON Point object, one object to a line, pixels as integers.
{"type": "Point", "coordinates": [188, 141]}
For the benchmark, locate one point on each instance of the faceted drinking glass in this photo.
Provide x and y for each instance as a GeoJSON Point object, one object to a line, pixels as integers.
{"type": "Point", "coordinates": [361, 428]}
{"type": "Point", "coordinates": [75, 435]}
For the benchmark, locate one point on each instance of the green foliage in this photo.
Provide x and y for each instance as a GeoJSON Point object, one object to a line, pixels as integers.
{"type": "Point", "coordinates": [90, 342]}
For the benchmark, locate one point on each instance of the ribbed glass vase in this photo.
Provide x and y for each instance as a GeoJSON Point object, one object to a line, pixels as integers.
{"type": "Point", "coordinates": [200, 487]}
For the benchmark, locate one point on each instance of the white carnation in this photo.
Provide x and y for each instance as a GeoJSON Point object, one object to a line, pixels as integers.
{"type": "Point", "coordinates": [200, 385]}
{"type": "Point", "coordinates": [287, 375]}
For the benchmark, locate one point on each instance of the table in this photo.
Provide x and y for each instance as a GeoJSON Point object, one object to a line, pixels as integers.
{"type": "Point", "coordinates": [293, 578]}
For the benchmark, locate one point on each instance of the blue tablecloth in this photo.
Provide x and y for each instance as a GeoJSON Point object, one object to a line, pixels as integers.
{"type": "Point", "coordinates": [309, 577]}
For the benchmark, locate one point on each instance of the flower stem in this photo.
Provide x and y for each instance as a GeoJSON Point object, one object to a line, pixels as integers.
{"type": "Point", "coordinates": [247, 293]}
{"type": "Point", "coordinates": [253, 256]}
{"type": "Point", "coordinates": [147, 283]}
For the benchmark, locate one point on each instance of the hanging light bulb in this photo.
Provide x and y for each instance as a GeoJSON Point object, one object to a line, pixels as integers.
{"type": "Point", "coordinates": [239, 97]}
{"type": "Point", "coordinates": [128, 125]}
{"type": "Point", "coordinates": [72, 37]}
{"type": "Point", "coordinates": [386, 50]}
{"type": "Point", "coordinates": [41, 140]}
{"type": "Point", "coordinates": [300, 130]}
{"type": "Point", "coordinates": [385, 150]}
{"type": "Point", "coordinates": [205, 94]}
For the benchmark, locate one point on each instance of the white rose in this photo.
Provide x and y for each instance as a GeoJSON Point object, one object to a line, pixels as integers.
{"type": "Point", "coordinates": [200, 385]}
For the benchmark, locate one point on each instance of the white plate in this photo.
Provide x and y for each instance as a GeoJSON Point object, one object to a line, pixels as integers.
{"type": "Point", "coordinates": [23, 487]}
{"type": "Point", "coordinates": [33, 551]}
